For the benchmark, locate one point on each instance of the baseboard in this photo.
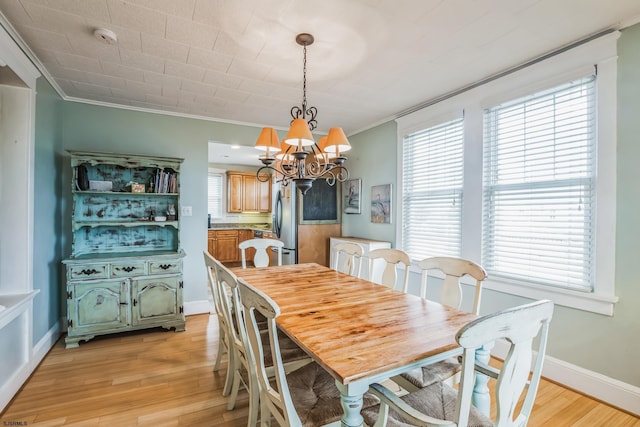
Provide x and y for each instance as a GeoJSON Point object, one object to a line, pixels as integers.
{"type": "Point", "coordinates": [197, 307]}
{"type": "Point", "coordinates": [45, 344]}
{"type": "Point", "coordinates": [39, 351]}
{"type": "Point", "coordinates": [609, 390]}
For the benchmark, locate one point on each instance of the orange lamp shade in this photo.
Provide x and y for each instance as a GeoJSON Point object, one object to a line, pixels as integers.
{"type": "Point", "coordinates": [299, 134]}
{"type": "Point", "coordinates": [322, 144]}
{"type": "Point", "coordinates": [268, 141]}
{"type": "Point", "coordinates": [337, 142]}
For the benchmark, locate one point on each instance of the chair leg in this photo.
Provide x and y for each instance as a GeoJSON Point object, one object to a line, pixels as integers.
{"type": "Point", "coordinates": [265, 414]}
{"type": "Point", "coordinates": [221, 350]}
{"type": "Point", "coordinates": [254, 401]}
{"type": "Point", "coordinates": [234, 390]}
{"type": "Point", "coordinates": [231, 370]}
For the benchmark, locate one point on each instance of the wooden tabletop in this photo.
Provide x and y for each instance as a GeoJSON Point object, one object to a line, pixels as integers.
{"type": "Point", "coordinates": [352, 327]}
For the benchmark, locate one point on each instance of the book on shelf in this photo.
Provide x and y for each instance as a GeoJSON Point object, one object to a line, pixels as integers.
{"type": "Point", "coordinates": [166, 181]}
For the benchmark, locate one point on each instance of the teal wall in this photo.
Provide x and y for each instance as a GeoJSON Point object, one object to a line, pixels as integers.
{"type": "Point", "coordinates": [372, 158]}
{"type": "Point", "coordinates": [47, 246]}
{"type": "Point", "coordinates": [607, 345]}
{"type": "Point", "coordinates": [603, 344]}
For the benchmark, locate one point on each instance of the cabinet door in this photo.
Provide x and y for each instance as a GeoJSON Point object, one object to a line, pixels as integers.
{"type": "Point", "coordinates": [156, 300]}
{"type": "Point", "coordinates": [227, 246]}
{"type": "Point", "coordinates": [250, 193]}
{"type": "Point", "coordinates": [264, 195]}
{"type": "Point", "coordinates": [211, 243]}
{"type": "Point", "coordinates": [234, 193]}
{"type": "Point", "coordinates": [250, 252]}
{"type": "Point", "coordinates": [98, 306]}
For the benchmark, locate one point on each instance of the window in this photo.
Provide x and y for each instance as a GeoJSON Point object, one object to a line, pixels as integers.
{"type": "Point", "coordinates": [214, 205]}
{"type": "Point", "coordinates": [539, 187]}
{"type": "Point", "coordinates": [432, 190]}
{"type": "Point", "coordinates": [538, 178]}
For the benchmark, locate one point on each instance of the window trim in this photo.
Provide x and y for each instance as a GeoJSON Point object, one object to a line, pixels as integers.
{"type": "Point", "coordinates": [542, 75]}
{"type": "Point", "coordinates": [217, 172]}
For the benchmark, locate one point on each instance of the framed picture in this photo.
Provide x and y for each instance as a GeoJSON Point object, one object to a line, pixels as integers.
{"type": "Point", "coordinates": [351, 190]}
{"type": "Point", "coordinates": [321, 204]}
{"type": "Point", "coordinates": [381, 204]}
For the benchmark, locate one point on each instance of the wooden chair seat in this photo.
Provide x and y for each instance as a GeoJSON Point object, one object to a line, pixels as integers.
{"type": "Point", "coordinates": [316, 397]}
{"type": "Point", "coordinates": [436, 372]}
{"type": "Point", "coordinates": [438, 400]}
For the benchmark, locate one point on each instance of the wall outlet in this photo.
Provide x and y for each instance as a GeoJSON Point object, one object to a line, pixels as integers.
{"type": "Point", "coordinates": [186, 211]}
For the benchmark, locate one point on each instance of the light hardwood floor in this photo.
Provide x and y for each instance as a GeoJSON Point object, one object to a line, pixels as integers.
{"type": "Point", "coordinates": [162, 378]}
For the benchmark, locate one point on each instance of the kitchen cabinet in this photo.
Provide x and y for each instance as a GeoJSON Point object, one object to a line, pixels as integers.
{"type": "Point", "coordinates": [223, 244]}
{"type": "Point", "coordinates": [211, 242]}
{"type": "Point", "coordinates": [246, 193]}
{"type": "Point", "coordinates": [125, 268]}
{"type": "Point", "coordinates": [227, 246]}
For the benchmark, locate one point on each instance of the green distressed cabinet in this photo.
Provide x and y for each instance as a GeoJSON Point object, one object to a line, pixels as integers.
{"type": "Point", "coordinates": [125, 269]}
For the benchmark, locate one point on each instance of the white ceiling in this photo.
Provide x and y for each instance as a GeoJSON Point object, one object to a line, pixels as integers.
{"type": "Point", "coordinates": [234, 154]}
{"type": "Point", "coordinates": [237, 60]}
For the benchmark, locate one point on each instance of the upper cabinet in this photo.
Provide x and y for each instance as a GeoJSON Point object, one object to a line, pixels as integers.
{"type": "Point", "coordinates": [111, 216]}
{"type": "Point", "coordinates": [246, 193]}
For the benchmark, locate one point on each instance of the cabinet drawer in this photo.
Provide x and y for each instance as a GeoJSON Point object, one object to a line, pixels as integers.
{"type": "Point", "coordinates": [88, 271]}
{"type": "Point", "coordinates": [159, 267]}
{"type": "Point", "coordinates": [128, 269]}
{"type": "Point", "coordinates": [226, 233]}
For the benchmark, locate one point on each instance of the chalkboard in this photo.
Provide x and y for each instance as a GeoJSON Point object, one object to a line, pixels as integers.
{"type": "Point", "coordinates": [320, 204]}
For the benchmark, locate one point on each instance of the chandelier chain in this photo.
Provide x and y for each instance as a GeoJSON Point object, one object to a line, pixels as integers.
{"type": "Point", "coordinates": [304, 81]}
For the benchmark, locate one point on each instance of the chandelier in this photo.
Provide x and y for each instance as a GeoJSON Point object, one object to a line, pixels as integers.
{"type": "Point", "coordinates": [299, 159]}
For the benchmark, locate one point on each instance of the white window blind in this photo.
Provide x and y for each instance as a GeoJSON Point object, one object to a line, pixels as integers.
{"type": "Point", "coordinates": [539, 189]}
{"type": "Point", "coordinates": [432, 191]}
{"type": "Point", "coordinates": [214, 204]}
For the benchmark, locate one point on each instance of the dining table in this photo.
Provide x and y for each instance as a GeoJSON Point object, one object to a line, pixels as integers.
{"type": "Point", "coordinates": [359, 331]}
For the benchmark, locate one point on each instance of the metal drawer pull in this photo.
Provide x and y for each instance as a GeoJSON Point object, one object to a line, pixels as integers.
{"type": "Point", "coordinates": [165, 266]}
{"type": "Point", "coordinates": [89, 272]}
{"type": "Point", "coordinates": [129, 269]}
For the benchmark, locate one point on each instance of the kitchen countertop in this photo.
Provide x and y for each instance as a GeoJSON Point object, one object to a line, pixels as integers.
{"type": "Point", "coordinates": [240, 226]}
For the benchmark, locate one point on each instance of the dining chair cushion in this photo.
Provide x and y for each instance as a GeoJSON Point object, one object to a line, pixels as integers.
{"type": "Point", "coordinates": [437, 400]}
{"type": "Point", "coordinates": [289, 350]}
{"type": "Point", "coordinates": [427, 375]}
{"type": "Point", "coordinates": [316, 397]}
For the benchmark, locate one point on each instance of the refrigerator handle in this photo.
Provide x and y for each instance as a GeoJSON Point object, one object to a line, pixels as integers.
{"type": "Point", "coordinates": [278, 214]}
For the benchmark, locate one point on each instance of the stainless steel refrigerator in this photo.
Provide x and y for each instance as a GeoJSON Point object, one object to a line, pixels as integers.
{"type": "Point", "coordinates": [285, 221]}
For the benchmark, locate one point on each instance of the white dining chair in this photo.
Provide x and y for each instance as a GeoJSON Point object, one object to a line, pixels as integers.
{"type": "Point", "coordinates": [439, 404]}
{"type": "Point", "coordinates": [347, 258]}
{"type": "Point", "coordinates": [305, 397]}
{"type": "Point", "coordinates": [453, 269]}
{"type": "Point", "coordinates": [261, 258]}
{"type": "Point", "coordinates": [390, 258]}
{"type": "Point", "coordinates": [239, 359]}
{"type": "Point", "coordinates": [223, 344]}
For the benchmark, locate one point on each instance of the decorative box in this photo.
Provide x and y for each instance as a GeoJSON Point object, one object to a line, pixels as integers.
{"type": "Point", "coordinates": [137, 188]}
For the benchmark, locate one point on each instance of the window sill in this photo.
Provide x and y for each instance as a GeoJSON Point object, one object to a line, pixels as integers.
{"type": "Point", "coordinates": [592, 302]}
